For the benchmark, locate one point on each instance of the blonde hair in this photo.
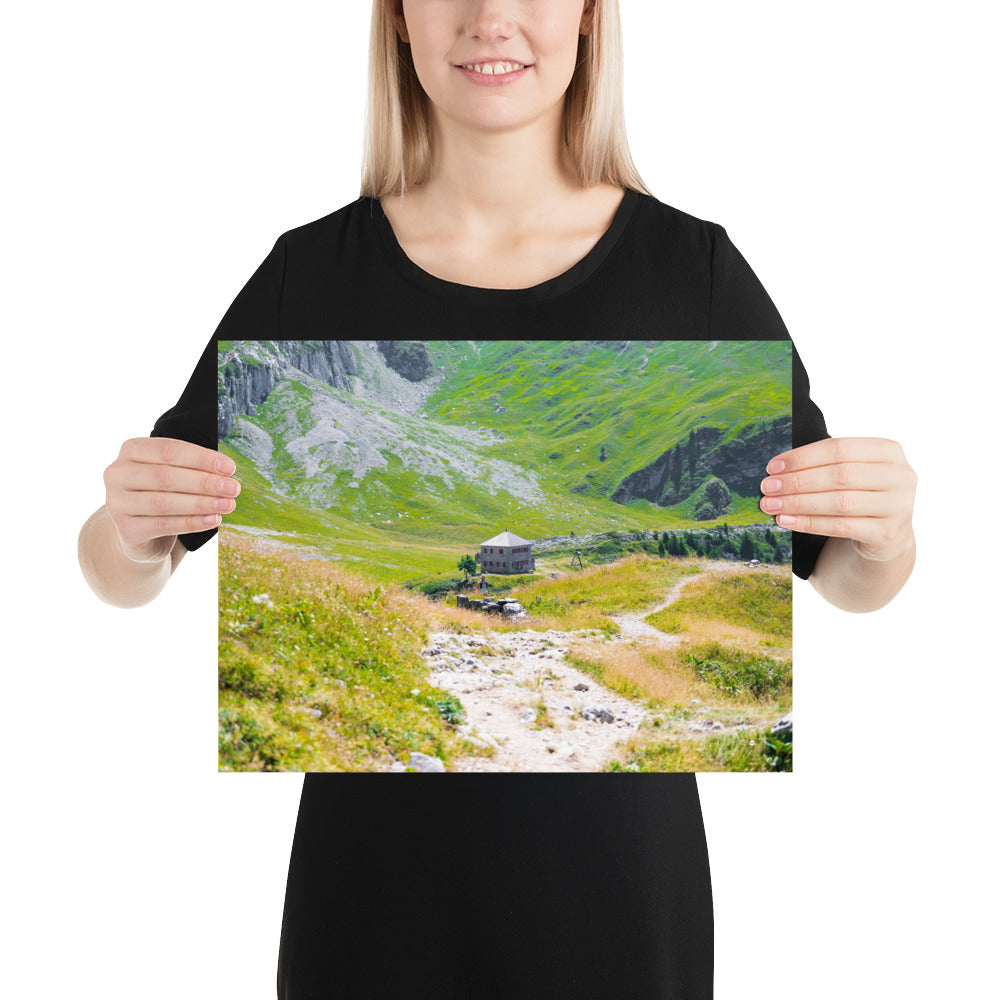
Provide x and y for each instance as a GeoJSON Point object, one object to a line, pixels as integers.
{"type": "Point", "coordinates": [397, 140]}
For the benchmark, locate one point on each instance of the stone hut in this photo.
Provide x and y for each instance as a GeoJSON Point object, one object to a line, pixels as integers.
{"type": "Point", "coordinates": [506, 553]}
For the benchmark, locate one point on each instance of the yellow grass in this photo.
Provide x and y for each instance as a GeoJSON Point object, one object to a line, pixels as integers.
{"type": "Point", "coordinates": [651, 671]}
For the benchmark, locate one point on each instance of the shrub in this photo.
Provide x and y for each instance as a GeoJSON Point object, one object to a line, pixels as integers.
{"type": "Point", "coordinates": [738, 673]}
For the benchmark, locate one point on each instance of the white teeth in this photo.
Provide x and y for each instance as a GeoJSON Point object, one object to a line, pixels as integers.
{"type": "Point", "coordinates": [494, 69]}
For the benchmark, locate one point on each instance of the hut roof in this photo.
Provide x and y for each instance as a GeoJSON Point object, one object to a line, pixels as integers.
{"type": "Point", "coordinates": [506, 538]}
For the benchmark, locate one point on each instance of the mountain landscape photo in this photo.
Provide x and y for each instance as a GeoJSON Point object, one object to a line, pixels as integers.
{"type": "Point", "coordinates": [589, 507]}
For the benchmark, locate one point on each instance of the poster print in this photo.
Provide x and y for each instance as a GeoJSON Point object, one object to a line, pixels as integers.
{"type": "Point", "coordinates": [504, 555]}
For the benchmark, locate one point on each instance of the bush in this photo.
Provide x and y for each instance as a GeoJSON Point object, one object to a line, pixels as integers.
{"type": "Point", "coordinates": [739, 673]}
{"type": "Point", "coordinates": [777, 752]}
{"type": "Point", "coordinates": [451, 711]}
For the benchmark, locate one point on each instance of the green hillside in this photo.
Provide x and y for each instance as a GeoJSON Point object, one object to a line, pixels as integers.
{"type": "Point", "coordinates": [509, 434]}
{"type": "Point", "coordinates": [565, 400]}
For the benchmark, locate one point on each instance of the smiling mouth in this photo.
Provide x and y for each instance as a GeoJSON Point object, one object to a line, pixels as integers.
{"type": "Point", "coordinates": [493, 68]}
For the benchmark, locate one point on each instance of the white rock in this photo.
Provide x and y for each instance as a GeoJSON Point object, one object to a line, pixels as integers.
{"type": "Point", "coordinates": [424, 762]}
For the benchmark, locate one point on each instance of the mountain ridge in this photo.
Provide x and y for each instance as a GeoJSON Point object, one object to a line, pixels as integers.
{"type": "Point", "coordinates": [453, 433]}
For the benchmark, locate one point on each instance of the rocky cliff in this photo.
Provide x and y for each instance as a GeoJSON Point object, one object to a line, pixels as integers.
{"type": "Point", "coordinates": [705, 466]}
{"type": "Point", "coordinates": [250, 370]}
{"type": "Point", "coordinates": [409, 358]}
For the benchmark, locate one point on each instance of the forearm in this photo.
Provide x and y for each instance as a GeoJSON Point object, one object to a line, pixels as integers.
{"type": "Point", "coordinates": [113, 576]}
{"type": "Point", "coordinates": [852, 583]}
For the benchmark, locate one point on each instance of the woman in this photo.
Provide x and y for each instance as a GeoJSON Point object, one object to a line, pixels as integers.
{"type": "Point", "coordinates": [500, 201]}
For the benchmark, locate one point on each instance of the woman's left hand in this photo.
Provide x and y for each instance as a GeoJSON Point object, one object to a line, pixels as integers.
{"type": "Point", "coordinates": [860, 488]}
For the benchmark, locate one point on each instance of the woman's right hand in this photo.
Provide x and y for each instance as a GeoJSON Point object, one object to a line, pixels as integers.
{"type": "Point", "coordinates": [159, 488]}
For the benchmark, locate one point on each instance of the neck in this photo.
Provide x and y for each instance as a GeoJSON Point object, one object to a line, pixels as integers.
{"type": "Point", "coordinates": [500, 181]}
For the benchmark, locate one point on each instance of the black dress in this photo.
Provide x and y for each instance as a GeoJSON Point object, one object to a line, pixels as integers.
{"type": "Point", "coordinates": [482, 886]}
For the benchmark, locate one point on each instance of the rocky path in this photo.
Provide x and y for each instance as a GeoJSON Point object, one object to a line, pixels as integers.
{"type": "Point", "coordinates": [501, 678]}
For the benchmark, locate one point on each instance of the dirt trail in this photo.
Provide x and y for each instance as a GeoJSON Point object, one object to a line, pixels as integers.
{"type": "Point", "coordinates": [634, 628]}
{"type": "Point", "coordinates": [501, 678]}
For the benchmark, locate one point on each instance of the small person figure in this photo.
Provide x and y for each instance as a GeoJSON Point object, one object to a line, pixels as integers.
{"type": "Point", "coordinates": [484, 587]}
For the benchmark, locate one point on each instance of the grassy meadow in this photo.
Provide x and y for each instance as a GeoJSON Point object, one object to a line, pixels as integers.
{"type": "Point", "coordinates": [320, 666]}
{"type": "Point", "coordinates": [734, 655]}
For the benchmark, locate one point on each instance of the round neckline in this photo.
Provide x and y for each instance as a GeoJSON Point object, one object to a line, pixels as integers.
{"type": "Point", "coordinates": [569, 279]}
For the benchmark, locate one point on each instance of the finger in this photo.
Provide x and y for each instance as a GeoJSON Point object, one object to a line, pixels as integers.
{"type": "Point", "coordinates": [838, 503]}
{"type": "Point", "coordinates": [158, 504]}
{"type": "Point", "coordinates": [832, 451]}
{"type": "Point", "coordinates": [844, 476]}
{"type": "Point", "coordinates": [174, 452]}
{"type": "Point", "coordinates": [866, 530]}
{"type": "Point", "coordinates": [142, 477]}
{"type": "Point", "coordinates": [135, 531]}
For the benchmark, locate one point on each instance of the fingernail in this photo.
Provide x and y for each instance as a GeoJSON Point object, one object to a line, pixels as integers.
{"type": "Point", "coordinates": [775, 466]}
{"type": "Point", "coordinates": [786, 519]}
{"type": "Point", "coordinates": [225, 466]}
{"type": "Point", "coordinates": [771, 485]}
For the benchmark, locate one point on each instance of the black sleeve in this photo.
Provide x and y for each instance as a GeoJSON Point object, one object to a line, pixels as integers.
{"type": "Point", "coordinates": [255, 314]}
{"type": "Point", "coordinates": [741, 309]}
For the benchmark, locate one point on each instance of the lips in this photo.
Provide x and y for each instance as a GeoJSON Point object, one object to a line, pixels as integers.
{"type": "Point", "coordinates": [492, 59]}
{"type": "Point", "coordinates": [485, 77]}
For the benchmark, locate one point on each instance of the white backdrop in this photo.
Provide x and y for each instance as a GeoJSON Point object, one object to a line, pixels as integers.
{"type": "Point", "coordinates": [155, 151]}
